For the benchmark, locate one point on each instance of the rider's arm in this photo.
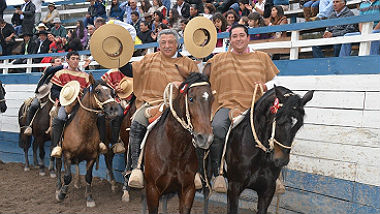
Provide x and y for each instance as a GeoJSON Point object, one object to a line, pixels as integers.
{"type": "Point", "coordinates": [54, 92]}
{"type": "Point", "coordinates": [49, 71]}
{"type": "Point", "coordinates": [127, 70]}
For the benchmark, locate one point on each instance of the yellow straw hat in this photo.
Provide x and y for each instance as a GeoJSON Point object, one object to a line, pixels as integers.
{"type": "Point", "coordinates": [126, 85]}
{"type": "Point", "coordinates": [69, 93]}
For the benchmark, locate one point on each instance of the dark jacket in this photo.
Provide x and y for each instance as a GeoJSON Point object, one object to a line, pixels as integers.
{"type": "Point", "coordinates": [29, 18]}
{"type": "Point", "coordinates": [185, 10]}
{"type": "Point", "coordinates": [199, 4]}
{"type": "Point", "coordinates": [44, 47]}
{"type": "Point", "coordinates": [116, 12]}
{"type": "Point", "coordinates": [145, 36]}
{"type": "Point", "coordinates": [3, 6]}
{"type": "Point", "coordinates": [4, 33]}
{"type": "Point", "coordinates": [16, 20]}
{"type": "Point", "coordinates": [32, 47]}
{"type": "Point", "coordinates": [340, 30]}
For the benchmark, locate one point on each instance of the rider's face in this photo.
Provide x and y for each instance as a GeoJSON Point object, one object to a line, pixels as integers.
{"type": "Point", "coordinates": [73, 62]}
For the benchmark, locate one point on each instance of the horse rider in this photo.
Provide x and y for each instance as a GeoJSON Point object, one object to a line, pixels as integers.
{"type": "Point", "coordinates": [234, 75]}
{"type": "Point", "coordinates": [122, 85]}
{"type": "Point", "coordinates": [59, 80]}
{"type": "Point", "coordinates": [151, 75]}
{"type": "Point", "coordinates": [42, 90]}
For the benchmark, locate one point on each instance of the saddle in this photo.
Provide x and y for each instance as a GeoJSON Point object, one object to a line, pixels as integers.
{"type": "Point", "coordinates": [27, 104]}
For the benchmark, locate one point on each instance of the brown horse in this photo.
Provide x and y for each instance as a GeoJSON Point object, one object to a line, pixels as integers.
{"type": "Point", "coordinates": [81, 136]}
{"type": "Point", "coordinates": [169, 156]}
{"type": "Point", "coordinates": [3, 106]}
{"type": "Point", "coordinates": [39, 125]}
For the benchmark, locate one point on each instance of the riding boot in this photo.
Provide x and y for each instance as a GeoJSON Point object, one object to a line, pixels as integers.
{"type": "Point", "coordinates": [136, 135]}
{"type": "Point", "coordinates": [101, 124]}
{"type": "Point", "coordinates": [117, 145]}
{"type": "Point", "coordinates": [29, 116]}
{"type": "Point", "coordinates": [216, 150]}
{"type": "Point", "coordinates": [56, 134]}
{"type": "Point", "coordinates": [307, 13]}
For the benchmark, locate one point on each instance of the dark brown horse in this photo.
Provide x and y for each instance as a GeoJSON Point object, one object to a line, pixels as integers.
{"type": "Point", "coordinates": [3, 106]}
{"type": "Point", "coordinates": [170, 158]}
{"type": "Point", "coordinates": [39, 125]}
{"type": "Point", "coordinates": [81, 136]}
{"type": "Point", "coordinates": [251, 167]}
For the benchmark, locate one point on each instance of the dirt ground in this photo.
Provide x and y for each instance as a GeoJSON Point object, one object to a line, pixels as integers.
{"type": "Point", "coordinates": [28, 192]}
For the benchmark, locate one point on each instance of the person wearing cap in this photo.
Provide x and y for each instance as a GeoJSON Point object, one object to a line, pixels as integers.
{"type": "Point", "coordinates": [27, 14]}
{"type": "Point", "coordinates": [51, 15]}
{"type": "Point", "coordinates": [58, 29]}
{"type": "Point", "coordinates": [234, 75]}
{"type": "Point", "coordinates": [150, 77]}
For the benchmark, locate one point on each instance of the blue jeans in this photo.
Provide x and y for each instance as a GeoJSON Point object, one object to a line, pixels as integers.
{"type": "Point", "coordinates": [346, 48]}
{"type": "Point", "coordinates": [317, 50]}
{"type": "Point", "coordinates": [311, 4]}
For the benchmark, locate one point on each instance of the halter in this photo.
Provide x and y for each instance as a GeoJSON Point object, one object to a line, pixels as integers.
{"type": "Point", "coordinates": [98, 102]}
{"type": "Point", "coordinates": [271, 140]}
{"type": "Point", "coordinates": [185, 124]}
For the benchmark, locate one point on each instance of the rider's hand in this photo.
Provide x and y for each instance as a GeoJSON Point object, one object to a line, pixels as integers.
{"type": "Point", "coordinates": [264, 87]}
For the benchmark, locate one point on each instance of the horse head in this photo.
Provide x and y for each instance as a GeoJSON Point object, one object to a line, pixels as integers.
{"type": "Point", "coordinates": [102, 97]}
{"type": "Point", "coordinates": [3, 106]}
{"type": "Point", "coordinates": [288, 112]}
{"type": "Point", "coordinates": [195, 98]}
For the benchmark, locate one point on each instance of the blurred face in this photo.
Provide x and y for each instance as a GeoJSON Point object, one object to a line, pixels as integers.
{"type": "Point", "coordinates": [170, 14]}
{"type": "Point", "coordinates": [239, 40]}
{"type": "Point", "coordinates": [242, 6]}
{"type": "Point", "coordinates": [143, 27]}
{"type": "Point", "coordinates": [114, 1]}
{"type": "Point", "coordinates": [57, 25]}
{"type": "Point", "coordinates": [251, 23]}
{"type": "Point", "coordinates": [206, 10]}
{"type": "Point", "coordinates": [51, 37]}
{"type": "Point", "coordinates": [51, 8]}
{"type": "Point", "coordinates": [179, 2]}
{"type": "Point", "coordinates": [338, 5]}
{"type": "Point", "coordinates": [230, 19]}
{"type": "Point", "coordinates": [218, 23]}
{"type": "Point", "coordinates": [134, 17]}
{"type": "Point", "coordinates": [156, 17]}
{"type": "Point", "coordinates": [274, 12]}
{"type": "Point", "coordinates": [26, 38]}
{"type": "Point", "coordinates": [155, 2]}
{"type": "Point", "coordinates": [73, 62]}
{"type": "Point", "coordinates": [183, 25]}
{"type": "Point", "coordinates": [193, 11]}
{"type": "Point", "coordinates": [168, 45]}
{"type": "Point", "coordinates": [91, 29]}
{"type": "Point", "coordinates": [133, 4]}
{"type": "Point", "coordinates": [57, 61]}
{"type": "Point", "coordinates": [42, 36]}
{"type": "Point", "coordinates": [78, 24]}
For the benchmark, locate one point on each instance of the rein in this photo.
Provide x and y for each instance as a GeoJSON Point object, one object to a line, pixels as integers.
{"type": "Point", "coordinates": [271, 140]}
{"type": "Point", "coordinates": [99, 103]}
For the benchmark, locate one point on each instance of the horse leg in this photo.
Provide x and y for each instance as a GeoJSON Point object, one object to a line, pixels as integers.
{"type": "Point", "coordinates": [152, 198]}
{"type": "Point", "coordinates": [58, 163]}
{"type": "Point", "coordinates": [186, 199]}
{"type": "Point", "coordinates": [66, 179]}
{"type": "Point", "coordinates": [206, 192]}
{"type": "Point", "coordinates": [233, 195]}
{"type": "Point", "coordinates": [42, 157]}
{"type": "Point", "coordinates": [51, 168]}
{"type": "Point", "coordinates": [89, 200]}
{"type": "Point", "coordinates": [264, 199]}
{"type": "Point", "coordinates": [128, 165]}
{"type": "Point", "coordinates": [77, 182]}
{"type": "Point", "coordinates": [164, 200]}
{"type": "Point", "coordinates": [35, 146]}
{"type": "Point", "coordinates": [108, 159]}
{"type": "Point", "coordinates": [26, 151]}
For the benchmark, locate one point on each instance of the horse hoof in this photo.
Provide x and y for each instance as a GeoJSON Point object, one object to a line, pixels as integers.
{"type": "Point", "coordinates": [26, 169]}
{"type": "Point", "coordinates": [125, 196]}
{"type": "Point", "coordinates": [53, 175]}
{"type": "Point", "coordinates": [42, 173]}
{"type": "Point", "coordinates": [90, 203]}
{"type": "Point", "coordinates": [57, 196]}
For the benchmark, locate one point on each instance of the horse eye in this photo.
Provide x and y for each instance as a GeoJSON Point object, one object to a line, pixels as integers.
{"type": "Point", "coordinates": [191, 99]}
{"type": "Point", "coordinates": [97, 91]}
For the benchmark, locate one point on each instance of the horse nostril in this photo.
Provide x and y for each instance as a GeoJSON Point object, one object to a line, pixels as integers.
{"type": "Point", "coordinates": [200, 138]}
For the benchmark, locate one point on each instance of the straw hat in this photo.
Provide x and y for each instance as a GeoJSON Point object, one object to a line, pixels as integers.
{"type": "Point", "coordinates": [52, 4]}
{"type": "Point", "coordinates": [126, 85]}
{"type": "Point", "coordinates": [56, 20]}
{"type": "Point", "coordinates": [112, 45]}
{"type": "Point", "coordinates": [43, 91]}
{"type": "Point", "coordinates": [40, 25]}
{"type": "Point", "coordinates": [69, 93]}
{"type": "Point", "coordinates": [200, 37]}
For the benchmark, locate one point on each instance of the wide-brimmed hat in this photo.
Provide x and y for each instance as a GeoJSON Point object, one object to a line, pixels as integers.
{"type": "Point", "coordinates": [52, 4]}
{"type": "Point", "coordinates": [56, 20]}
{"type": "Point", "coordinates": [112, 45]}
{"type": "Point", "coordinates": [42, 32]}
{"type": "Point", "coordinates": [69, 93]}
{"type": "Point", "coordinates": [26, 34]}
{"type": "Point", "coordinates": [43, 91]}
{"type": "Point", "coordinates": [41, 25]}
{"type": "Point", "coordinates": [200, 37]}
{"type": "Point", "coordinates": [126, 86]}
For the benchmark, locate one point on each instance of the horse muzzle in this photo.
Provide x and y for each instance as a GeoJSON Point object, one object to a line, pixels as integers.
{"type": "Point", "coordinates": [3, 108]}
{"type": "Point", "coordinates": [203, 141]}
{"type": "Point", "coordinates": [113, 110]}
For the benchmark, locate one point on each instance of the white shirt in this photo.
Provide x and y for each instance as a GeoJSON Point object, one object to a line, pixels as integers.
{"type": "Point", "coordinates": [38, 4]}
{"type": "Point", "coordinates": [179, 8]}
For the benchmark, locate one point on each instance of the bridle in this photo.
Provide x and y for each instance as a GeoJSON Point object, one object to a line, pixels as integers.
{"type": "Point", "coordinates": [98, 102]}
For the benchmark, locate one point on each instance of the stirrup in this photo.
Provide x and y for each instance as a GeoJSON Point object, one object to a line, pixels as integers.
{"type": "Point", "coordinates": [28, 131]}
{"type": "Point", "coordinates": [56, 152]}
{"type": "Point", "coordinates": [103, 148]}
{"type": "Point", "coordinates": [198, 181]}
{"type": "Point", "coordinates": [219, 184]}
{"type": "Point", "coordinates": [118, 148]}
{"type": "Point", "coordinates": [136, 180]}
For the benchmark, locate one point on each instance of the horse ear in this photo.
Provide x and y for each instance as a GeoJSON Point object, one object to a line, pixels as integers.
{"type": "Point", "coordinates": [91, 79]}
{"type": "Point", "coordinates": [278, 93]}
{"type": "Point", "coordinates": [182, 73]}
{"type": "Point", "coordinates": [307, 97]}
{"type": "Point", "coordinates": [207, 70]}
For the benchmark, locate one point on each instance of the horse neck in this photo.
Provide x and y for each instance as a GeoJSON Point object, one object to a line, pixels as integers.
{"type": "Point", "coordinates": [84, 116]}
{"type": "Point", "coordinates": [263, 123]}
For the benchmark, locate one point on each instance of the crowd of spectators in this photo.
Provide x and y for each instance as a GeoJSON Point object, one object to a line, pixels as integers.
{"type": "Point", "coordinates": [47, 35]}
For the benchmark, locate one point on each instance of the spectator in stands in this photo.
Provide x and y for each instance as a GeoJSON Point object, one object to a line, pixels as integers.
{"type": "Point", "coordinates": [221, 26]}
{"type": "Point", "coordinates": [7, 37]}
{"type": "Point", "coordinates": [90, 29]}
{"type": "Point", "coordinates": [100, 9]}
{"type": "Point", "coordinates": [72, 43]}
{"type": "Point", "coordinates": [231, 18]}
{"type": "Point", "coordinates": [58, 29]}
{"type": "Point", "coordinates": [167, 4]}
{"type": "Point", "coordinates": [129, 7]}
{"type": "Point", "coordinates": [43, 44]}
{"type": "Point", "coordinates": [28, 46]}
{"type": "Point", "coordinates": [146, 8]}
{"type": "Point", "coordinates": [158, 19]}
{"type": "Point", "coordinates": [182, 25]}
{"type": "Point", "coordinates": [91, 12]}
{"type": "Point", "coordinates": [52, 14]}
{"type": "Point", "coordinates": [209, 10]}
{"type": "Point", "coordinates": [174, 20]}
{"type": "Point", "coordinates": [157, 5]}
{"type": "Point", "coordinates": [16, 20]}
{"type": "Point", "coordinates": [116, 12]}
{"type": "Point", "coordinates": [38, 4]}
{"type": "Point", "coordinates": [310, 9]}
{"type": "Point", "coordinates": [81, 33]}
{"type": "Point", "coordinates": [160, 27]}
{"type": "Point", "coordinates": [243, 21]}
{"type": "Point", "coordinates": [183, 8]}
{"type": "Point", "coordinates": [258, 7]}
{"type": "Point", "coordinates": [145, 34]}
{"type": "Point", "coordinates": [99, 22]}
{"type": "Point", "coordinates": [198, 3]}
{"type": "Point", "coordinates": [256, 20]}
{"type": "Point", "coordinates": [135, 21]}
{"type": "Point", "coordinates": [277, 17]}
{"type": "Point", "coordinates": [149, 19]}
{"type": "Point", "coordinates": [340, 11]}
{"type": "Point", "coordinates": [56, 45]}
{"type": "Point", "coordinates": [244, 8]}
{"type": "Point", "coordinates": [366, 7]}
{"type": "Point", "coordinates": [325, 10]}
{"type": "Point", "coordinates": [27, 14]}
{"type": "Point", "coordinates": [3, 6]}
{"type": "Point", "coordinates": [193, 11]}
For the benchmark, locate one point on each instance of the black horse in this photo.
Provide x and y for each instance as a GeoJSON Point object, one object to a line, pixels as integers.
{"type": "Point", "coordinates": [3, 106]}
{"type": "Point", "coordinates": [251, 167]}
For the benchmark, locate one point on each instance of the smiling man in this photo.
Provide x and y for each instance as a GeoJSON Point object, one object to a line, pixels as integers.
{"type": "Point", "coordinates": [234, 75]}
{"type": "Point", "coordinates": [150, 77]}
